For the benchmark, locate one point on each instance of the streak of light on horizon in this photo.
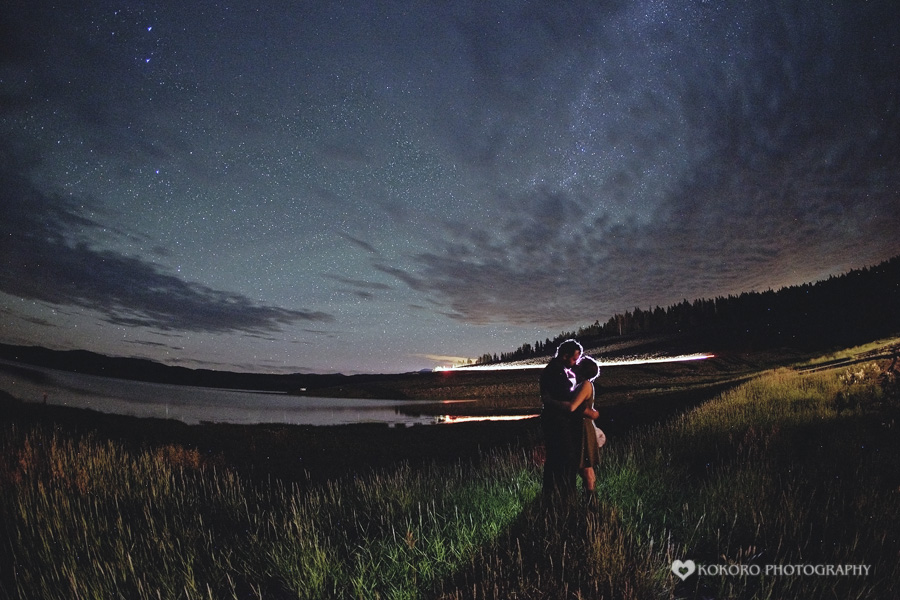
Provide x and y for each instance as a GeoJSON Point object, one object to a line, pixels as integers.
{"type": "Point", "coordinates": [607, 363]}
{"type": "Point", "coordinates": [449, 419]}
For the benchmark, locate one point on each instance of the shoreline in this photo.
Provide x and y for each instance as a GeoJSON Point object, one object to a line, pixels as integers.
{"type": "Point", "coordinates": [314, 453]}
{"type": "Point", "coordinates": [292, 453]}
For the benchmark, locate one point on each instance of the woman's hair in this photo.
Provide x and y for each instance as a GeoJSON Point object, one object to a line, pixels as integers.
{"type": "Point", "coordinates": [587, 369]}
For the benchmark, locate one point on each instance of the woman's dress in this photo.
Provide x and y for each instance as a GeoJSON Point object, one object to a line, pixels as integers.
{"type": "Point", "coordinates": [590, 448]}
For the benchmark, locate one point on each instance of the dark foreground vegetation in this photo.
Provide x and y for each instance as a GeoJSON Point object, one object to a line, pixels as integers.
{"type": "Point", "coordinates": [790, 466]}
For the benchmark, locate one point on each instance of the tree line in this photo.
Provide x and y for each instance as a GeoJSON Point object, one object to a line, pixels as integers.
{"type": "Point", "coordinates": [856, 307]}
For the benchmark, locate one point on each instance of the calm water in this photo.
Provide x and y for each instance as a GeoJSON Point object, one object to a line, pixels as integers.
{"type": "Point", "coordinates": [194, 405]}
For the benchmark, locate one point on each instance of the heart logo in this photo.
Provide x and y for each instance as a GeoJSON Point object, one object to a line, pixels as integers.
{"type": "Point", "coordinates": [684, 569]}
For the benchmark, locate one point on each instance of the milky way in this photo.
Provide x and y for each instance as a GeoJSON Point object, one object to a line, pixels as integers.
{"type": "Point", "coordinates": [361, 186]}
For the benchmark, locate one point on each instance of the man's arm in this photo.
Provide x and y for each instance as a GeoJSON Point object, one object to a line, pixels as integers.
{"type": "Point", "coordinates": [579, 400]}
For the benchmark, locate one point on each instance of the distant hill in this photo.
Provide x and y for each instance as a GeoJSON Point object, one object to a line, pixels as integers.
{"type": "Point", "coordinates": [853, 308]}
{"type": "Point", "coordinates": [90, 363]}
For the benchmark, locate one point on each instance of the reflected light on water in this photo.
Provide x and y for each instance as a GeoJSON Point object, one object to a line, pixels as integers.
{"type": "Point", "coordinates": [603, 363]}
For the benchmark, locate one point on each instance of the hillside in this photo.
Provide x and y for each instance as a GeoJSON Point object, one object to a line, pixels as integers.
{"type": "Point", "coordinates": [840, 311]}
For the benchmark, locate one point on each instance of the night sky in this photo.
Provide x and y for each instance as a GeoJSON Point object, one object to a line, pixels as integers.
{"type": "Point", "coordinates": [381, 186]}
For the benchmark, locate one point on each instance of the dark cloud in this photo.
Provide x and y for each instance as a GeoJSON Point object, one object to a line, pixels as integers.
{"type": "Point", "coordinates": [541, 272]}
{"type": "Point", "coordinates": [364, 290]}
{"type": "Point", "coordinates": [153, 344]}
{"type": "Point", "coordinates": [369, 285]}
{"type": "Point", "coordinates": [45, 257]}
{"type": "Point", "coordinates": [409, 279]}
{"type": "Point", "coordinates": [789, 168]}
{"type": "Point", "coordinates": [39, 321]}
{"type": "Point", "coordinates": [359, 243]}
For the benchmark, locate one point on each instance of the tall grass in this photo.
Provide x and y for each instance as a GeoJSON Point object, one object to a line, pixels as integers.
{"type": "Point", "coordinates": [88, 519]}
{"type": "Point", "coordinates": [880, 347]}
{"type": "Point", "coordinates": [789, 468]}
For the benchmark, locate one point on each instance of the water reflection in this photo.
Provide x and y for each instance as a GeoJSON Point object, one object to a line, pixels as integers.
{"type": "Point", "coordinates": [195, 405]}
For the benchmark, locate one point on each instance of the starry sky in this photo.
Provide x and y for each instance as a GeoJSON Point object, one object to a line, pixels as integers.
{"type": "Point", "coordinates": [299, 186]}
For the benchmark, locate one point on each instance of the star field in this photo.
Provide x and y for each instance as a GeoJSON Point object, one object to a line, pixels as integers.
{"type": "Point", "coordinates": [358, 187]}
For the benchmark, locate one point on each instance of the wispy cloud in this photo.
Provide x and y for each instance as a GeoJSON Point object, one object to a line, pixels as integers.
{"type": "Point", "coordinates": [747, 231]}
{"type": "Point", "coordinates": [153, 344]}
{"type": "Point", "coordinates": [45, 257]}
{"type": "Point", "coordinates": [360, 283]}
{"type": "Point", "coordinates": [444, 359]}
{"type": "Point", "coordinates": [359, 243]}
{"type": "Point", "coordinates": [732, 175]}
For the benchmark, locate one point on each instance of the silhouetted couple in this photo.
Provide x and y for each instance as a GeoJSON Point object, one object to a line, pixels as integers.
{"type": "Point", "coordinates": [570, 438]}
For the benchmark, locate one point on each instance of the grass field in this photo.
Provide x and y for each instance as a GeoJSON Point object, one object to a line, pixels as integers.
{"type": "Point", "coordinates": [787, 468]}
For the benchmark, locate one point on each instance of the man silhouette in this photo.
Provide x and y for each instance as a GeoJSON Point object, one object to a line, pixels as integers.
{"type": "Point", "coordinates": [562, 429]}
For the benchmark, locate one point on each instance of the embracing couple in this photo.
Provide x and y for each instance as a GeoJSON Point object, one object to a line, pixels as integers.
{"type": "Point", "coordinates": [567, 417]}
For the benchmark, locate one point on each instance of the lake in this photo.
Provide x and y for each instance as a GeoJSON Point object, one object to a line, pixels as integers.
{"type": "Point", "coordinates": [194, 405]}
